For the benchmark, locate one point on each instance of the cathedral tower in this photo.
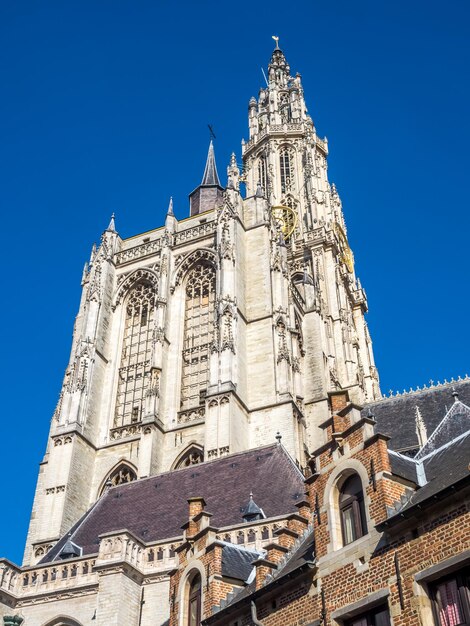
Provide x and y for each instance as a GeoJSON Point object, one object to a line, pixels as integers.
{"type": "Point", "coordinates": [216, 333]}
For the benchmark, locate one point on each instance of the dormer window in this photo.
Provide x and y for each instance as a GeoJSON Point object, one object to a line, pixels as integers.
{"type": "Point", "coordinates": [352, 511]}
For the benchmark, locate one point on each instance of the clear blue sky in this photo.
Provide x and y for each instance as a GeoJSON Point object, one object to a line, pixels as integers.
{"type": "Point", "coordinates": [105, 108]}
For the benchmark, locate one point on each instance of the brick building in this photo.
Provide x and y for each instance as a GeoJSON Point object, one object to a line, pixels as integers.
{"type": "Point", "coordinates": [209, 460]}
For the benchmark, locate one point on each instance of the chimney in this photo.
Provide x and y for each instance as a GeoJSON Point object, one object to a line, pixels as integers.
{"type": "Point", "coordinates": [196, 506]}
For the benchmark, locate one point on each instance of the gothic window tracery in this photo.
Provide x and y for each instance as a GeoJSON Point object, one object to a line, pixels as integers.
{"type": "Point", "coordinates": [135, 355]}
{"type": "Point", "coordinates": [198, 334]}
{"type": "Point", "coordinates": [286, 169]}
{"type": "Point", "coordinates": [119, 476]}
{"type": "Point", "coordinates": [193, 456]}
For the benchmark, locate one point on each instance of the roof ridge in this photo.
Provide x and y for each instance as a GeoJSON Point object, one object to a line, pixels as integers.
{"type": "Point", "coordinates": [444, 445]}
{"type": "Point", "coordinates": [424, 389]}
{"type": "Point", "coordinates": [204, 463]}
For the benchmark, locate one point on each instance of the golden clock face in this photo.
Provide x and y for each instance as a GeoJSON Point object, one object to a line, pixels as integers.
{"type": "Point", "coordinates": [285, 219]}
{"type": "Point", "coordinates": [346, 255]}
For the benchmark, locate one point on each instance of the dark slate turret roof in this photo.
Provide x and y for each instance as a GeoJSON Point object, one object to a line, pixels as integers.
{"type": "Point", "coordinates": [155, 508]}
{"type": "Point", "coordinates": [252, 510]}
{"type": "Point", "coordinates": [396, 416]}
{"type": "Point", "coordinates": [210, 176]}
{"type": "Point", "coordinates": [238, 562]}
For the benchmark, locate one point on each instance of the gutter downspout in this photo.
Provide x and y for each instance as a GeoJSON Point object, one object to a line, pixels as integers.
{"type": "Point", "coordinates": [254, 615]}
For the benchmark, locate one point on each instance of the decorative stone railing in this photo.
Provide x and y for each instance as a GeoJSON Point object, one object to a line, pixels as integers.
{"type": "Point", "coordinates": [128, 430]}
{"type": "Point", "coordinates": [139, 251]}
{"type": "Point", "coordinates": [297, 127]}
{"type": "Point", "coordinates": [195, 232]}
{"type": "Point", "coordinates": [9, 577]}
{"type": "Point", "coordinates": [125, 547]}
{"type": "Point", "coordinates": [254, 537]}
{"type": "Point", "coordinates": [57, 575]}
{"type": "Point", "coordinates": [191, 415]}
{"type": "Point", "coordinates": [121, 547]}
{"type": "Point", "coordinates": [317, 234]}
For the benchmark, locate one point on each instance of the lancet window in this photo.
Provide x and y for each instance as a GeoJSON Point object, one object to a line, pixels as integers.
{"type": "Point", "coordinates": [135, 355]}
{"type": "Point", "coordinates": [198, 334]}
{"type": "Point", "coordinates": [286, 169]}
{"type": "Point", "coordinates": [262, 172]}
{"type": "Point", "coordinates": [285, 108]}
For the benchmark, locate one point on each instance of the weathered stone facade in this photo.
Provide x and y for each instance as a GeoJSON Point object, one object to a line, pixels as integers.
{"type": "Point", "coordinates": [196, 347]}
{"type": "Point", "coordinates": [282, 324]}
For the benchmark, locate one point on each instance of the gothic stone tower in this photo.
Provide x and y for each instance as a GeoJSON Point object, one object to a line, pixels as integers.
{"type": "Point", "coordinates": [212, 334]}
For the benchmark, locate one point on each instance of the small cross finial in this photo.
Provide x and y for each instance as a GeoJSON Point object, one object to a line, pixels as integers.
{"type": "Point", "coordinates": [276, 39]}
{"type": "Point", "coordinates": [278, 437]}
{"type": "Point", "coordinates": [211, 131]}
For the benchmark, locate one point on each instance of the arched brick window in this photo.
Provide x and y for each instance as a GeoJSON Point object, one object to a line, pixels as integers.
{"type": "Point", "coordinates": [352, 510]}
{"type": "Point", "coordinates": [194, 600]}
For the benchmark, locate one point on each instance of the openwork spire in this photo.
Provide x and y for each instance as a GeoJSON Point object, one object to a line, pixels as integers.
{"type": "Point", "coordinates": [278, 69]}
{"type": "Point", "coordinates": [210, 173]}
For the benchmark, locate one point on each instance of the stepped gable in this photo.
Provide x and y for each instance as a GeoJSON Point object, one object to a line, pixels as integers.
{"type": "Point", "coordinates": [155, 508]}
{"type": "Point", "coordinates": [301, 558]}
{"type": "Point", "coordinates": [396, 416]}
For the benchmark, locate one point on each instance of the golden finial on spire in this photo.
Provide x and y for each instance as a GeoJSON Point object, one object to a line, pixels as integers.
{"type": "Point", "coordinates": [276, 39]}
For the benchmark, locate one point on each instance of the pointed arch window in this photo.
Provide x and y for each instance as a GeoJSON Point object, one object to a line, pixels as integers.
{"type": "Point", "coordinates": [198, 334]}
{"type": "Point", "coordinates": [262, 173]}
{"type": "Point", "coordinates": [119, 476]}
{"type": "Point", "coordinates": [192, 456]}
{"type": "Point", "coordinates": [352, 510]}
{"type": "Point", "coordinates": [135, 355]}
{"type": "Point", "coordinates": [286, 169]}
{"type": "Point", "coordinates": [194, 600]}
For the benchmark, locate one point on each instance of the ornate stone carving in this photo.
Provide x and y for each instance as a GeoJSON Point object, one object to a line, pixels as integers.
{"type": "Point", "coordinates": [195, 232]}
{"type": "Point", "coordinates": [191, 415]}
{"type": "Point", "coordinates": [122, 432]}
{"type": "Point", "coordinates": [193, 258]}
{"type": "Point", "coordinates": [141, 275]}
{"type": "Point", "coordinates": [137, 252]}
{"type": "Point", "coordinates": [226, 248]}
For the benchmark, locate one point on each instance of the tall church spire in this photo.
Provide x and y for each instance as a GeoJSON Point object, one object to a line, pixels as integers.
{"type": "Point", "coordinates": [209, 194]}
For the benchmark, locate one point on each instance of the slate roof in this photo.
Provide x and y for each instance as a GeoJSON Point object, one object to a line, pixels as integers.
{"type": "Point", "coordinates": [238, 562]}
{"type": "Point", "coordinates": [455, 423]}
{"type": "Point", "coordinates": [301, 557]}
{"type": "Point", "coordinates": [155, 508]}
{"type": "Point", "coordinates": [445, 468]}
{"type": "Point", "coordinates": [210, 176]}
{"type": "Point", "coordinates": [403, 466]}
{"type": "Point", "coordinates": [396, 415]}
